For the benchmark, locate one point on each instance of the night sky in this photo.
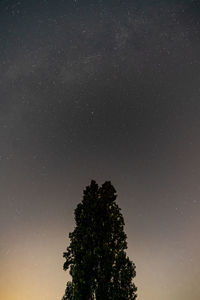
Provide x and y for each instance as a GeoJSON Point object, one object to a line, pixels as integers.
{"type": "Point", "coordinates": [103, 90]}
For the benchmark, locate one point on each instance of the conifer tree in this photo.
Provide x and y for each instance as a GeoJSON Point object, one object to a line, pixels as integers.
{"type": "Point", "coordinates": [96, 256]}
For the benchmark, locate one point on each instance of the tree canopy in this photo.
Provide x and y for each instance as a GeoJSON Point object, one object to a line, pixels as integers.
{"type": "Point", "coordinates": [96, 257]}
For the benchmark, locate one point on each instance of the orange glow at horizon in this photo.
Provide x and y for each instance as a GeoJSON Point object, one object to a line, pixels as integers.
{"type": "Point", "coordinates": [33, 270]}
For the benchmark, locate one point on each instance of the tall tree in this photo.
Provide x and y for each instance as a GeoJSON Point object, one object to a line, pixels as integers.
{"type": "Point", "coordinates": [96, 256]}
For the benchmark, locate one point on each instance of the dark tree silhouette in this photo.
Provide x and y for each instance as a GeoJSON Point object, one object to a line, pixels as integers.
{"type": "Point", "coordinates": [96, 256]}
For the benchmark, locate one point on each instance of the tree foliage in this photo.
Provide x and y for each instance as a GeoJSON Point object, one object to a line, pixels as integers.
{"type": "Point", "coordinates": [96, 256]}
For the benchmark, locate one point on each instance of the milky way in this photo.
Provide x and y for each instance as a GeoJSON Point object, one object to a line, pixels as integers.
{"type": "Point", "coordinates": [104, 90]}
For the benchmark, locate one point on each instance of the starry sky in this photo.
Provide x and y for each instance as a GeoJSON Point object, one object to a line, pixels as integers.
{"type": "Point", "coordinates": [104, 90]}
